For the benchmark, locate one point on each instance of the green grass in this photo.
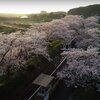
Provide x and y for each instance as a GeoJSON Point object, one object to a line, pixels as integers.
{"type": "Point", "coordinates": [32, 18]}
{"type": "Point", "coordinates": [10, 23]}
{"type": "Point", "coordinates": [8, 28]}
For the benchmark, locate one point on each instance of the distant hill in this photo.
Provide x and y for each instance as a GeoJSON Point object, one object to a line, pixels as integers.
{"type": "Point", "coordinates": [46, 17]}
{"type": "Point", "coordinates": [31, 18]}
{"type": "Point", "coordinates": [87, 11]}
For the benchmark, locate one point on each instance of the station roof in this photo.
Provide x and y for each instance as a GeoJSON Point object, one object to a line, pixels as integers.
{"type": "Point", "coordinates": [43, 80]}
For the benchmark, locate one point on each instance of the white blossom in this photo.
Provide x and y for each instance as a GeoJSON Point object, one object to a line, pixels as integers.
{"type": "Point", "coordinates": [81, 68]}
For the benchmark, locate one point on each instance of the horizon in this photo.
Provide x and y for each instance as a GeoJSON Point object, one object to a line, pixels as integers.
{"type": "Point", "coordinates": [36, 6]}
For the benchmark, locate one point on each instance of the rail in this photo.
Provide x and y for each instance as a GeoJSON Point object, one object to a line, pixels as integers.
{"type": "Point", "coordinates": [50, 75]}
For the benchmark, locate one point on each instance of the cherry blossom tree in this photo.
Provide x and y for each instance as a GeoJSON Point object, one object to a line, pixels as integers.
{"type": "Point", "coordinates": [82, 68]}
{"type": "Point", "coordinates": [17, 48]}
{"type": "Point", "coordinates": [70, 27]}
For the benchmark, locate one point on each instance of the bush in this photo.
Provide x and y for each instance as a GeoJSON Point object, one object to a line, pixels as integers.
{"type": "Point", "coordinates": [34, 62]}
{"type": "Point", "coordinates": [54, 48]}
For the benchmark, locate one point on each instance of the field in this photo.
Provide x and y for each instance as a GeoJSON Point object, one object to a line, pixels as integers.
{"type": "Point", "coordinates": [15, 22]}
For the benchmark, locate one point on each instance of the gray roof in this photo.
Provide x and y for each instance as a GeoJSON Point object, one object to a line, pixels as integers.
{"type": "Point", "coordinates": [43, 80]}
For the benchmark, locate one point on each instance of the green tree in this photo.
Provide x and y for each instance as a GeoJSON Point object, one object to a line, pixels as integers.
{"type": "Point", "coordinates": [54, 48]}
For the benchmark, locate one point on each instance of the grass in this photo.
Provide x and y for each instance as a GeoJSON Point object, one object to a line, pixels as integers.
{"type": "Point", "coordinates": [11, 23]}
{"type": "Point", "coordinates": [8, 28]}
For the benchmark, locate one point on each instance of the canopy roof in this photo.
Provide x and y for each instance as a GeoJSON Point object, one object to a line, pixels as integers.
{"type": "Point", "coordinates": [43, 80]}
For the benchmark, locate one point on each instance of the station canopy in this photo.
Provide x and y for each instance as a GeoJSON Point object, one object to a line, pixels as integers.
{"type": "Point", "coordinates": [43, 80]}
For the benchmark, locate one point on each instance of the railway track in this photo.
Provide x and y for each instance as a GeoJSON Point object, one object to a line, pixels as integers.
{"type": "Point", "coordinates": [31, 97]}
{"type": "Point", "coordinates": [28, 92]}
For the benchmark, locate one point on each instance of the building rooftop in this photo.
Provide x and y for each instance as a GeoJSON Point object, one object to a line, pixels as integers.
{"type": "Point", "coordinates": [43, 80]}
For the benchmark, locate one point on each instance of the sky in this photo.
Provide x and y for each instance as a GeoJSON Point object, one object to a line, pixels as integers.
{"type": "Point", "coordinates": [35, 6]}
